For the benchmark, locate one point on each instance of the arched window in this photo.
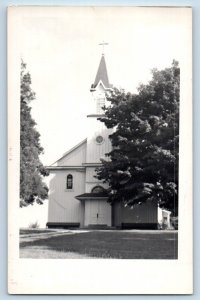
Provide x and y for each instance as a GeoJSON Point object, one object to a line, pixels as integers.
{"type": "Point", "coordinates": [98, 189]}
{"type": "Point", "coordinates": [69, 184]}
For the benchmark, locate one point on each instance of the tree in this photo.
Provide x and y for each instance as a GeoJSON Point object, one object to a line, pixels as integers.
{"type": "Point", "coordinates": [143, 163]}
{"type": "Point", "coordinates": [32, 189]}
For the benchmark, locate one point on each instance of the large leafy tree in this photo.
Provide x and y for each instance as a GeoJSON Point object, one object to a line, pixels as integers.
{"type": "Point", "coordinates": [143, 163]}
{"type": "Point", "coordinates": [32, 189]}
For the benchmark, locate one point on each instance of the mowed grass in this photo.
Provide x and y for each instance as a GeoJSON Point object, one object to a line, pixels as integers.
{"type": "Point", "coordinates": [34, 231]}
{"type": "Point", "coordinates": [114, 244]}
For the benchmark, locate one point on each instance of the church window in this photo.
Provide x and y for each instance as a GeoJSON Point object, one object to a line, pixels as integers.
{"type": "Point", "coordinates": [69, 184]}
{"type": "Point", "coordinates": [98, 189]}
{"type": "Point", "coordinates": [99, 139]}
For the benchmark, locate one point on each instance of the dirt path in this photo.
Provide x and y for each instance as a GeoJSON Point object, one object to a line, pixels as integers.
{"type": "Point", "coordinates": [44, 252]}
{"type": "Point", "coordinates": [38, 236]}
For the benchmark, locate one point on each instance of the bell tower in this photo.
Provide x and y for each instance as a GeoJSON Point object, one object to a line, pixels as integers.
{"type": "Point", "coordinates": [100, 86]}
{"type": "Point", "coordinates": [98, 143]}
{"type": "Point", "coordinates": [97, 209]}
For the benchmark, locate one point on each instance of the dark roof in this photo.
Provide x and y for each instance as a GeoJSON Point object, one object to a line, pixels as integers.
{"type": "Point", "coordinates": [90, 196]}
{"type": "Point", "coordinates": [102, 74]}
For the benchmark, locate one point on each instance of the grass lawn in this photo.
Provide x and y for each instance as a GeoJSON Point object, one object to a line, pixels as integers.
{"type": "Point", "coordinates": [112, 244]}
{"type": "Point", "coordinates": [34, 231]}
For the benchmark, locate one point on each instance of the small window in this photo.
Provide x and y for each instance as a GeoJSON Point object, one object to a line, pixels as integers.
{"type": "Point", "coordinates": [99, 139]}
{"type": "Point", "coordinates": [69, 184]}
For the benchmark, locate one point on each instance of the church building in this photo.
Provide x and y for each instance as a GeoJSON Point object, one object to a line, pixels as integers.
{"type": "Point", "coordinates": [76, 197]}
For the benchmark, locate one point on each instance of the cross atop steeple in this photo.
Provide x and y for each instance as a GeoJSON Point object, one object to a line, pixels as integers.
{"type": "Point", "coordinates": [103, 44]}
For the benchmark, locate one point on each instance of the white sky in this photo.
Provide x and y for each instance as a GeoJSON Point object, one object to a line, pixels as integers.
{"type": "Point", "coordinates": [60, 47]}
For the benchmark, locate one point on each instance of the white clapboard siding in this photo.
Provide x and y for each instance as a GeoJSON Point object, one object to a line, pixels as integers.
{"type": "Point", "coordinates": [90, 173]}
{"type": "Point", "coordinates": [63, 206]}
{"type": "Point", "coordinates": [91, 181]}
{"type": "Point", "coordinates": [74, 157]}
{"type": "Point", "coordinates": [90, 186]}
{"type": "Point", "coordinates": [97, 151]}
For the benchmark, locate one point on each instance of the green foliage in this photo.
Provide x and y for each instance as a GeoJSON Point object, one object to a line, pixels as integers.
{"type": "Point", "coordinates": [32, 189]}
{"type": "Point", "coordinates": [143, 163]}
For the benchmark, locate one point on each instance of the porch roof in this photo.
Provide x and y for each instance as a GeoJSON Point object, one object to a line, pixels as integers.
{"type": "Point", "coordinates": [92, 196]}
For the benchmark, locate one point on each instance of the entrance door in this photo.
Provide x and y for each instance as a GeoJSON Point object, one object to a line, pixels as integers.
{"type": "Point", "coordinates": [97, 212]}
{"type": "Point", "coordinates": [94, 212]}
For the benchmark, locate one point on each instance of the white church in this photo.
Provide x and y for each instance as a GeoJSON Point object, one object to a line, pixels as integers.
{"type": "Point", "coordinates": [76, 197]}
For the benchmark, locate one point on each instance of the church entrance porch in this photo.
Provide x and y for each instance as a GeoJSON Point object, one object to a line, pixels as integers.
{"type": "Point", "coordinates": [97, 213]}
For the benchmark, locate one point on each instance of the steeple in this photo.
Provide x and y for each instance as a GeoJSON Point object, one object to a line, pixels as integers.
{"type": "Point", "coordinates": [101, 86]}
{"type": "Point", "coordinates": [101, 76]}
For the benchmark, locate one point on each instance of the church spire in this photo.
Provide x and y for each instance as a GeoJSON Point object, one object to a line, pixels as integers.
{"type": "Point", "coordinates": [101, 85]}
{"type": "Point", "coordinates": [102, 74]}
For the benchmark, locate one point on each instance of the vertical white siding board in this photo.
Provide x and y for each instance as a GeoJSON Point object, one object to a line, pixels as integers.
{"type": "Point", "coordinates": [63, 205]}
{"type": "Point", "coordinates": [75, 157]}
{"type": "Point", "coordinates": [91, 181]}
{"type": "Point", "coordinates": [97, 151]}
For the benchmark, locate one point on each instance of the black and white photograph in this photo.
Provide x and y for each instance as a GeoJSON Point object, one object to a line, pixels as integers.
{"type": "Point", "coordinates": [100, 144]}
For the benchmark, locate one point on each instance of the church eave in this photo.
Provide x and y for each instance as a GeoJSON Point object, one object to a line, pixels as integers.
{"type": "Point", "coordinates": [69, 151]}
{"type": "Point", "coordinates": [95, 86]}
{"type": "Point", "coordinates": [54, 168]}
{"type": "Point", "coordinates": [92, 164]}
{"type": "Point", "coordinates": [95, 115]}
{"type": "Point", "coordinates": [92, 196]}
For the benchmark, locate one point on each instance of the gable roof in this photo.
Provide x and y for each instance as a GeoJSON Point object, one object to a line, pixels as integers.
{"type": "Point", "coordinates": [102, 74]}
{"type": "Point", "coordinates": [70, 150]}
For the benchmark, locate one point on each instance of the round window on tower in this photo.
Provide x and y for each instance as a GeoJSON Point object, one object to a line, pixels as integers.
{"type": "Point", "coordinates": [99, 139]}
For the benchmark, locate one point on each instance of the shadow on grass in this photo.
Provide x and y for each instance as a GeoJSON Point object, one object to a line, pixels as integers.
{"type": "Point", "coordinates": [123, 245]}
{"type": "Point", "coordinates": [34, 231]}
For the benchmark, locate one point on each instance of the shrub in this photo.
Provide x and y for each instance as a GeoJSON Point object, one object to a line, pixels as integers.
{"type": "Point", "coordinates": [174, 222]}
{"type": "Point", "coordinates": [34, 225]}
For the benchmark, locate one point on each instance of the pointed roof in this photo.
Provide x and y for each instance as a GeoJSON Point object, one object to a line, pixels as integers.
{"type": "Point", "coordinates": [69, 151]}
{"type": "Point", "coordinates": [102, 74]}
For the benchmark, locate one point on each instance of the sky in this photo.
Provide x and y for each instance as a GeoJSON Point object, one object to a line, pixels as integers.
{"type": "Point", "coordinates": [61, 49]}
{"type": "Point", "coordinates": [62, 53]}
